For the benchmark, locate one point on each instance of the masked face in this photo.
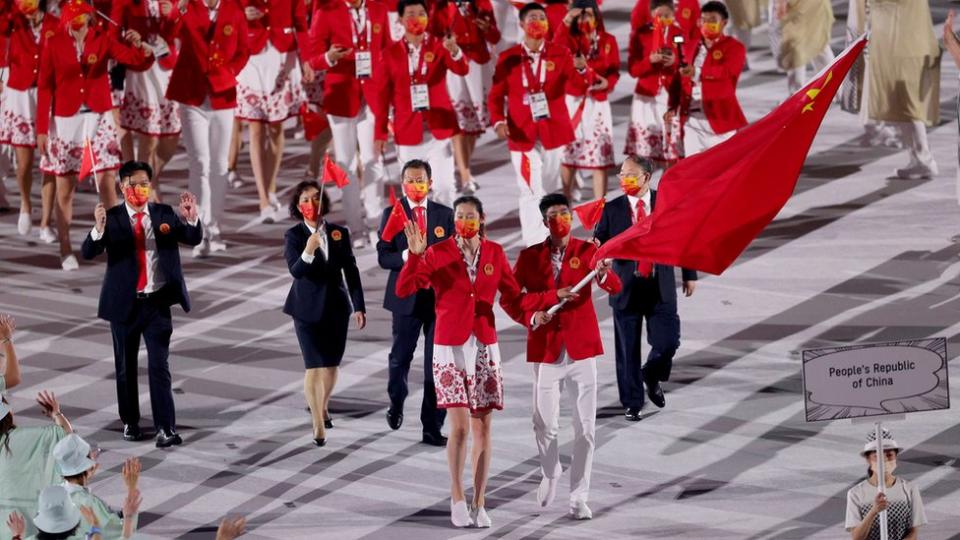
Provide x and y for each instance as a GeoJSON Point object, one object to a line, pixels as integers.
{"type": "Point", "coordinates": [28, 7]}
{"type": "Point", "coordinates": [78, 22]}
{"type": "Point", "coordinates": [536, 28]}
{"type": "Point", "coordinates": [137, 194]}
{"type": "Point", "coordinates": [416, 25]}
{"type": "Point", "coordinates": [467, 228]}
{"type": "Point", "coordinates": [711, 30]}
{"type": "Point", "coordinates": [560, 224]}
{"type": "Point", "coordinates": [310, 210]}
{"type": "Point", "coordinates": [666, 20]}
{"type": "Point", "coordinates": [587, 25]}
{"type": "Point", "coordinates": [416, 191]}
{"type": "Point", "coordinates": [630, 184]}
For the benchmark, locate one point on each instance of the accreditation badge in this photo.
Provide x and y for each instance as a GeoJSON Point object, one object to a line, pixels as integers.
{"type": "Point", "coordinates": [419, 97]}
{"type": "Point", "coordinates": [364, 62]}
{"type": "Point", "coordinates": [539, 107]}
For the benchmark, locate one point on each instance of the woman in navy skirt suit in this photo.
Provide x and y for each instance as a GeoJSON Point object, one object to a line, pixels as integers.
{"type": "Point", "coordinates": [326, 290]}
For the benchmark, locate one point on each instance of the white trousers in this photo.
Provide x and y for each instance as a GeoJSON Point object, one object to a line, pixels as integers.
{"type": "Point", "coordinates": [914, 137]}
{"type": "Point", "coordinates": [206, 135]}
{"type": "Point", "coordinates": [699, 136]}
{"type": "Point", "coordinates": [549, 381]}
{"type": "Point", "coordinates": [796, 78]}
{"type": "Point", "coordinates": [439, 154]}
{"type": "Point", "coordinates": [353, 149]}
{"type": "Point", "coordinates": [544, 178]}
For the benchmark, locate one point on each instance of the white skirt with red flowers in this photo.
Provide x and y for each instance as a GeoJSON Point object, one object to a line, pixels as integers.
{"type": "Point", "coordinates": [592, 147]}
{"type": "Point", "coordinates": [270, 87]}
{"type": "Point", "coordinates": [314, 90]}
{"type": "Point", "coordinates": [145, 108]}
{"type": "Point", "coordinates": [469, 99]}
{"type": "Point", "coordinates": [648, 135]}
{"type": "Point", "coordinates": [66, 138]}
{"type": "Point", "coordinates": [479, 386]}
{"type": "Point", "coordinates": [18, 117]}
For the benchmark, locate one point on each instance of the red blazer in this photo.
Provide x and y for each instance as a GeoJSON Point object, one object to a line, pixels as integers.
{"type": "Point", "coordinates": [134, 15]}
{"type": "Point", "coordinates": [575, 327]}
{"type": "Point", "coordinates": [24, 57]}
{"type": "Point", "coordinates": [284, 23]}
{"type": "Point", "coordinates": [604, 60]}
{"type": "Point", "coordinates": [395, 91]}
{"type": "Point", "coordinates": [507, 97]}
{"type": "Point", "coordinates": [211, 54]}
{"type": "Point", "coordinates": [67, 82]}
{"type": "Point", "coordinates": [342, 90]}
{"type": "Point", "coordinates": [652, 77]}
{"type": "Point", "coordinates": [718, 79]}
{"type": "Point", "coordinates": [687, 16]}
{"type": "Point", "coordinates": [464, 308]}
{"type": "Point", "coordinates": [474, 42]}
{"type": "Point", "coordinates": [556, 12]}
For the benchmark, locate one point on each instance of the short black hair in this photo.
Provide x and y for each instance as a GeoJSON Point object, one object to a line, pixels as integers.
{"type": "Point", "coordinates": [552, 199]}
{"type": "Point", "coordinates": [294, 207]}
{"type": "Point", "coordinates": [402, 5]}
{"type": "Point", "coordinates": [130, 167]}
{"type": "Point", "coordinates": [532, 6]}
{"type": "Point", "coordinates": [716, 7]}
{"type": "Point", "coordinates": [417, 164]}
{"type": "Point", "coordinates": [654, 4]}
{"type": "Point", "coordinates": [641, 162]}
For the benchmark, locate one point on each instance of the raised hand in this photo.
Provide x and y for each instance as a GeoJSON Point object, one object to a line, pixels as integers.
{"type": "Point", "coordinates": [231, 527]}
{"type": "Point", "coordinates": [188, 206]}
{"type": "Point", "coordinates": [7, 325]}
{"type": "Point", "coordinates": [416, 242]}
{"type": "Point", "coordinates": [16, 524]}
{"type": "Point", "coordinates": [100, 217]}
{"type": "Point", "coordinates": [131, 505]}
{"type": "Point", "coordinates": [48, 401]}
{"type": "Point", "coordinates": [131, 473]}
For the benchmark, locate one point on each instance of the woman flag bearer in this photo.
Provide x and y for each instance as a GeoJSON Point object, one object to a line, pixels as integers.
{"type": "Point", "coordinates": [27, 30]}
{"type": "Point", "coordinates": [74, 85]}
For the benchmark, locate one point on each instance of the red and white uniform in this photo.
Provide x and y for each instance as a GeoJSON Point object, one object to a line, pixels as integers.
{"type": "Point", "coordinates": [657, 87]}
{"type": "Point", "coordinates": [563, 353]}
{"type": "Point", "coordinates": [710, 110]}
{"type": "Point", "coordinates": [687, 13]}
{"type": "Point", "coordinates": [351, 96]}
{"type": "Point", "coordinates": [468, 92]}
{"type": "Point", "coordinates": [313, 89]}
{"type": "Point", "coordinates": [425, 132]}
{"type": "Point", "coordinates": [74, 85]}
{"type": "Point", "coordinates": [18, 106]}
{"type": "Point", "coordinates": [526, 82]}
{"type": "Point", "coordinates": [590, 111]}
{"type": "Point", "coordinates": [213, 51]}
{"type": "Point", "coordinates": [270, 88]}
{"type": "Point", "coordinates": [144, 108]}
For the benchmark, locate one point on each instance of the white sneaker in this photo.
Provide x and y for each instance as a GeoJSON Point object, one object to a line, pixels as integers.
{"type": "Point", "coordinates": [24, 224]}
{"type": "Point", "coordinates": [47, 236]}
{"type": "Point", "coordinates": [267, 214]}
{"type": "Point", "coordinates": [547, 491]}
{"type": "Point", "coordinates": [70, 263]}
{"type": "Point", "coordinates": [217, 246]}
{"type": "Point", "coordinates": [234, 179]}
{"type": "Point", "coordinates": [202, 250]}
{"type": "Point", "coordinates": [480, 518]}
{"type": "Point", "coordinates": [918, 171]}
{"type": "Point", "coordinates": [460, 514]}
{"type": "Point", "coordinates": [580, 510]}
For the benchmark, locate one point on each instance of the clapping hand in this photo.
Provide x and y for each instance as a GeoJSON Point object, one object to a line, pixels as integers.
{"type": "Point", "coordinates": [416, 242]}
{"type": "Point", "coordinates": [188, 207]}
{"type": "Point", "coordinates": [7, 325]}
{"type": "Point", "coordinates": [231, 528]}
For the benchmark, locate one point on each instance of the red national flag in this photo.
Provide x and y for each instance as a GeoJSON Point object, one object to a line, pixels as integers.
{"type": "Point", "coordinates": [88, 162]}
{"type": "Point", "coordinates": [657, 34]}
{"type": "Point", "coordinates": [395, 223]}
{"type": "Point", "coordinates": [589, 213]}
{"type": "Point", "coordinates": [333, 173]}
{"type": "Point", "coordinates": [314, 123]}
{"type": "Point", "coordinates": [525, 167]}
{"type": "Point", "coordinates": [711, 205]}
{"type": "Point", "coordinates": [393, 195]}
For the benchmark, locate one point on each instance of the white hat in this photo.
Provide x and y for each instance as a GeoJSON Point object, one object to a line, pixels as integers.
{"type": "Point", "coordinates": [56, 513]}
{"type": "Point", "coordinates": [71, 455]}
{"type": "Point", "coordinates": [887, 441]}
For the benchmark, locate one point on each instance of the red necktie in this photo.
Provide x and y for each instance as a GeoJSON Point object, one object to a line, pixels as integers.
{"type": "Point", "coordinates": [421, 214]}
{"type": "Point", "coordinates": [140, 240]}
{"type": "Point", "coordinates": [644, 268]}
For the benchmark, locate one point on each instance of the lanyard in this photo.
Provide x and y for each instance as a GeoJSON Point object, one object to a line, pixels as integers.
{"type": "Point", "coordinates": [541, 73]}
{"type": "Point", "coordinates": [355, 28]}
{"type": "Point", "coordinates": [421, 65]}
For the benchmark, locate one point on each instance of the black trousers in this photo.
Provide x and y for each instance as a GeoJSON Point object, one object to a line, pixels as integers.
{"type": "Point", "coordinates": [406, 333]}
{"type": "Point", "coordinates": [150, 319]}
{"type": "Point", "coordinates": [663, 336]}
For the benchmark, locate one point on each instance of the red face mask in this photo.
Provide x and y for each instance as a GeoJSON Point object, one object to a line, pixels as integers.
{"type": "Point", "coordinates": [28, 7]}
{"type": "Point", "coordinates": [467, 228]}
{"type": "Point", "coordinates": [309, 210]}
{"type": "Point", "coordinates": [416, 191]}
{"type": "Point", "coordinates": [630, 185]}
{"type": "Point", "coordinates": [78, 22]}
{"type": "Point", "coordinates": [137, 195]}
{"type": "Point", "coordinates": [560, 225]}
{"type": "Point", "coordinates": [415, 25]}
{"type": "Point", "coordinates": [536, 29]}
{"type": "Point", "coordinates": [587, 26]}
{"type": "Point", "coordinates": [710, 30]}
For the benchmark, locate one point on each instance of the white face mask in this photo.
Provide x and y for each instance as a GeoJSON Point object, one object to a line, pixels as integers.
{"type": "Point", "coordinates": [889, 466]}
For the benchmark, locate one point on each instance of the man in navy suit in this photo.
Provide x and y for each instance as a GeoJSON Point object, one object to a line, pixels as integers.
{"type": "Point", "coordinates": [649, 293]}
{"type": "Point", "coordinates": [142, 281]}
{"type": "Point", "coordinates": [414, 314]}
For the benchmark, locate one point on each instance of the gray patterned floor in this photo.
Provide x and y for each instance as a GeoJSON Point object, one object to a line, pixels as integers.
{"type": "Point", "coordinates": [855, 256]}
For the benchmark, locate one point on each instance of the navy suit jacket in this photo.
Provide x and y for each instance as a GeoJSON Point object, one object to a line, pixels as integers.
{"type": "Point", "coordinates": [318, 291]}
{"type": "Point", "coordinates": [119, 290]}
{"type": "Point", "coordinates": [390, 254]}
{"type": "Point", "coordinates": [617, 217]}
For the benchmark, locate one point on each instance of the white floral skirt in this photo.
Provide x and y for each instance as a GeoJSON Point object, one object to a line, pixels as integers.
{"type": "Point", "coordinates": [479, 386]}
{"type": "Point", "coordinates": [270, 87]}
{"type": "Point", "coordinates": [648, 136]}
{"type": "Point", "coordinates": [314, 90]}
{"type": "Point", "coordinates": [592, 147]}
{"type": "Point", "coordinates": [66, 138]}
{"type": "Point", "coordinates": [468, 98]}
{"type": "Point", "coordinates": [145, 108]}
{"type": "Point", "coordinates": [18, 117]}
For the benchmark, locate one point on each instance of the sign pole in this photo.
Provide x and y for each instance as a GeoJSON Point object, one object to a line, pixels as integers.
{"type": "Point", "coordinates": [881, 479]}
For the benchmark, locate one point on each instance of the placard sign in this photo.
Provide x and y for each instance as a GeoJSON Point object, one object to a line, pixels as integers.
{"type": "Point", "coordinates": [875, 379]}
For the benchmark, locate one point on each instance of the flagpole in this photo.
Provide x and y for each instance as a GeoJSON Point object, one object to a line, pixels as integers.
{"type": "Point", "coordinates": [93, 159]}
{"type": "Point", "coordinates": [581, 284]}
{"type": "Point", "coordinates": [881, 480]}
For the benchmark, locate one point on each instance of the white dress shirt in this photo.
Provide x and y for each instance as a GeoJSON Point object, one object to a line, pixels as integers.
{"type": "Point", "coordinates": [633, 204]}
{"type": "Point", "coordinates": [308, 258]}
{"type": "Point", "coordinates": [155, 278]}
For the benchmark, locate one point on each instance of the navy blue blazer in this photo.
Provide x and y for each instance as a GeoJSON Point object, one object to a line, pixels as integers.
{"type": "Point", "coordinates": [318, 290]}
{"type": "Point", "coordinates": [617, 217]}
{"type": "Point", "coordinates": [119, 290]}
{"type": "Point", "coordinates": [390, 254]}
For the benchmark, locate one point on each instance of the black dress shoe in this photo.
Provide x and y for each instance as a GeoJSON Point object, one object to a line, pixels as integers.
{"type": "Point", "coordinates": [131, 432]}
{"type": "Point", "coordinates": [655, 393]}
{"type": "Point", "coordinates": [632, 414]}
{"type": "Point", "coordinates": [320, 442]}
{"type": "Point", "coordinates": [394, 418]}
{"type": "Point", "coordinates": [434, 439]}
{"type": "Point", "coordinates": [167, 438]}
